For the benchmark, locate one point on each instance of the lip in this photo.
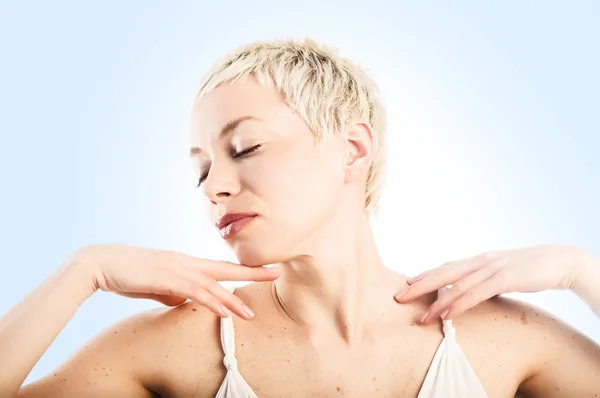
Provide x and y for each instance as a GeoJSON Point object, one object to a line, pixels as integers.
{"type": "Point", "coordinates": [231, 223]}
{"type": "Point", "coordinates": [228, 218]}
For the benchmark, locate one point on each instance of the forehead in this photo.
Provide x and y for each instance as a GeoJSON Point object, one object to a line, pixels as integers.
{"type": "Point", "coordinates": [229, 102]}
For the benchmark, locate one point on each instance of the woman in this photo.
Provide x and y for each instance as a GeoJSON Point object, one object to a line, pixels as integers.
{"type": "Point", "coordinates": [288, 140]}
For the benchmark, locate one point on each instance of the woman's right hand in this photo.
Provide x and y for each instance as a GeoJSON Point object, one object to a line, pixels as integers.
{"type": "Point", "coordinates": [169, 277]}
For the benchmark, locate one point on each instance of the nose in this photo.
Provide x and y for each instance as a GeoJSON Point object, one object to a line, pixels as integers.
{"type": "Point", "coordinates": [221, 182]}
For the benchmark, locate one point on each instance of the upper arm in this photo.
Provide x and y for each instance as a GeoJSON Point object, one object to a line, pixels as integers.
{"type": "Point", "coordinates": [112, 364]}
{"type": "Point", "coordinates": [567, 363]}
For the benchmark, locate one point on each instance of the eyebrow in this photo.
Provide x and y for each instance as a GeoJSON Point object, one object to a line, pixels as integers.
{"type": "Point", "coordinates": [228, 128]}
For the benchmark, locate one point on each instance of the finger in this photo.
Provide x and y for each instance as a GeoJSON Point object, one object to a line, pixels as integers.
{"type": "Point", "coordinates": [444, 275]}
{"type": "Point", "coordinates": [224, 296]}
{"type": "Point", "coordinates": [229, 300]}
{"type": "Point", "coordinates": [425, 274]}
{"type": "Point", "coordinates": [205, 299]}
{"type": "Point", "coordinates": [227, 271]}
{"type": "Point", "coordinates": [481, 258]}
{"type": "Point", "coordinates": [455, 292]}
{"type": "Point", "coordinates": [422, 275]}
{"type": "Point", "coordinates": [471, 298]}
{"type": "Point", "coordinates": [191, 285]}
{"type": "Point", "coordinates": [171, 301]}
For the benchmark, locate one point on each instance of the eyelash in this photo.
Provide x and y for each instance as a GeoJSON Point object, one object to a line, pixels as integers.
{"type": "Point", "coordinates": [235, 156]}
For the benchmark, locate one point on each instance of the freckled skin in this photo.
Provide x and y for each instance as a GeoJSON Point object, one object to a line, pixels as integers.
{"type": "Point", "coordinates": [280, 360]}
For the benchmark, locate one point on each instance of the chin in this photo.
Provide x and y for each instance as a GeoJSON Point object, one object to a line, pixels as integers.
{"type": "Point", "coordinates": [256, 255]}
{"type": "Point", "coordinates": [254, 258]}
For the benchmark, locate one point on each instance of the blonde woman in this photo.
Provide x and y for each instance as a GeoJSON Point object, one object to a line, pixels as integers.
{"type": "Point", "coordinates": [288, 139]}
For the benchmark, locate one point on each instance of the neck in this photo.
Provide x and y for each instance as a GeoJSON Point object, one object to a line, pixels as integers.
{"type": "Point", "coordinates": [341, 286]}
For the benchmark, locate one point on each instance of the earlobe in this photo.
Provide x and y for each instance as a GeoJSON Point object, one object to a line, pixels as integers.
{"type": "Point", "coordinates": [349, 173]}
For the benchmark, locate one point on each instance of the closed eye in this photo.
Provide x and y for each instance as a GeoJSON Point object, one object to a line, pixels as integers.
{"type": "Point", "coordinates": [245, 152]}
{"type": "Point", "coordinates": [235, 156]}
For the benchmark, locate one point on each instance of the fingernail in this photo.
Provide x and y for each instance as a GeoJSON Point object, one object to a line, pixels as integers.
{"type": "Point", "coordinates": [248, 312]}
{"type": "Point", "coordinates": [401, 293]}
{"type": "Point", "coordinates": [425, 315]}
{"type": "Point", "coordinates": [445, 313]}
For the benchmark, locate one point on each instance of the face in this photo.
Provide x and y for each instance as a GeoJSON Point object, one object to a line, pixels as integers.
{"type": "Point", "coordinates": [265, 164]}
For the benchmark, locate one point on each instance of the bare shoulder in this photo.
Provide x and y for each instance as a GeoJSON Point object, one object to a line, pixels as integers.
{"type": "Point", "coordinates": [562, 360]}
{"type": "Point", "coordinates": [134, 356]}
{"type": "Point", "coordinates": [537, 344]}
{"type": "Point", "coordinates": [535, 329]}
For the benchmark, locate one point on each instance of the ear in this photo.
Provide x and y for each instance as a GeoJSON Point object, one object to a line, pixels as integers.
{"type": "Point", "coordinates": [359, 154]}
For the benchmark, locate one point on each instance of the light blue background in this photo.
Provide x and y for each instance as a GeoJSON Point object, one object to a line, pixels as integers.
{"type": "Point", "coordinates": [494, 131]}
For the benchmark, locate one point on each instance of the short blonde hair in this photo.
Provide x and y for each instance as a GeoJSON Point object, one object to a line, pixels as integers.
{"type": "Point", "coordinates": [324, 89]}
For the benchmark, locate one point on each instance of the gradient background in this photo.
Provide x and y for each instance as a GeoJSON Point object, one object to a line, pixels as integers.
{"type": "Point", "coordinates": [494, 131]}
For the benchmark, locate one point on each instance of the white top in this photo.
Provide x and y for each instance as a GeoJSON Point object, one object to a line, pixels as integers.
{"type": "Point", "coordinates": [450, 374]}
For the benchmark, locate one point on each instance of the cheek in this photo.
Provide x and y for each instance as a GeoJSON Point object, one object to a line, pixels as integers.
{"type": "Point", "coordinates": [295, 184]}
{"type": "Point", "coordinates": [277, 178]}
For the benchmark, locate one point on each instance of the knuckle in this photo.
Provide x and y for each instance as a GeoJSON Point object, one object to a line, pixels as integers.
{"type": "Point", "coordinates": [85, 256]}
{"type": "Point", "coordinates": [205, 281]}
{"type": "Point", "coordinates": [496, 283]}
{"type": "Point", "coordinates": [470, 295]}
{"type": "Point", "coordinates": [431, 273]}
{"type": "Point", "coordinates": [164, 287]}
{"type": "Point", "coordinates": [176, 260]}
{"type": "Point", "coordinates": [172, 287]}
{"type": "Point", "coordinates": [503, 276]}
{"type": "Point", "coordinates": [201, 297]}
{"type": "Point", "coordinates": [486, 256]}
{"type": "Point", "coordinates": [459, 288]}
{"type": "Point", "coordinates": [489, 256]}
{"type": "Point", "coordinates": [499, 263]}
{"type": "Point", "coordinates": [213, 302]}
{"type": "Point", "coordinates": [213, 287]}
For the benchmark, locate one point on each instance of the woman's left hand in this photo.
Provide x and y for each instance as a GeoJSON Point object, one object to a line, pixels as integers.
{"type": "Point", "coordinates": [479, 278]}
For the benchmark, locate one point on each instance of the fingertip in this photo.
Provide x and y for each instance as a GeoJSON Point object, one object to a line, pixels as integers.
{"type": "Point", "coordinates": [401, 294]}
{"type": "Point", "coordinates": [248, 312]}
{"type": "Point", "coordinates": [402, 300]}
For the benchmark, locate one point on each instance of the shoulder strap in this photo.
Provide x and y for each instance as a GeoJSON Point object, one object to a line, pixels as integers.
{"type": "Point", "coordinates": [228, 340]}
